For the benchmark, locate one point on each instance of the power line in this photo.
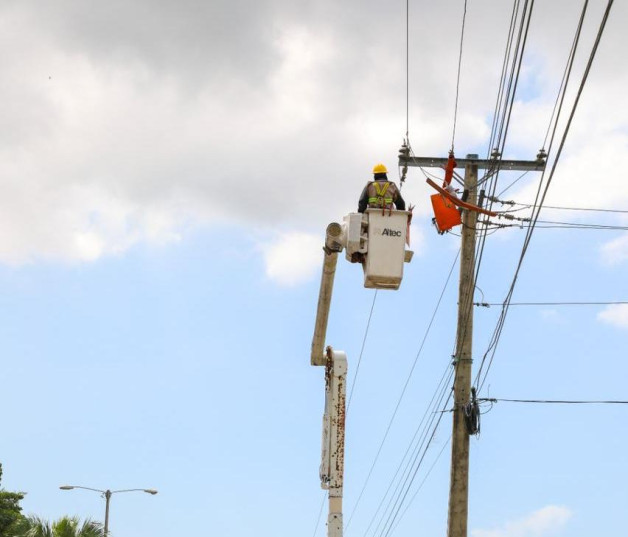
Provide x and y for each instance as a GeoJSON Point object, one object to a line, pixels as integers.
{"type": "Point", "coordinates": [488, 304]}
{"type": "Point", "coordinates": [555, 401]}
{"type": "Point", "coordinates": [464, 18]}
{"type": "Point", "coordinates": [320, 512]}
{"type": "Point", "coordinates": [593, 227]}
{"type": "Point", "coordinates": [553, 225]}
{"type": "Point", "coordinates": [357, 369]}
{"type": "Point", "coordinates": [408, 484]}
{"type": "Point", "coordinates": [501, 321]}
{"type": "Point", "coordinates": [415, 461]}
{"type": "Point", "coordinates": [514, 182]}
{"type": "Point", "coordinates": [407, 69]}
{"type": "Point", "coordinates": [427, 474]}
{"type": "Point", "coordinates": [412, 449]}
{"type": "Point", "coordinates": [503, 108]}
{"type": "Point", "coordinates": [589, 209]}
{"type": "Point", "coordinates": [403, 391]}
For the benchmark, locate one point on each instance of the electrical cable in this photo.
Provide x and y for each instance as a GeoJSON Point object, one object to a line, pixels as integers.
{"type": "Point", "coordinates": [514, 182]}
{"type": "Point", "coordinates": [427, 474]}
{"type": "Point", "coordinates": [320, 512]}
{"type": "Point", "coordinates": [401, 499]}
{"type": "Point", "coordinates": [464, 17]}
{"type": "Point", "coordinates": [499, 328]}
{"type": "Point", "coordinates": [556, 401]}
{"type": "Point", "coordinates": [408, 70]}
{"type": "Point", "coordinates": [412, 450]}
{"type": "Point", "coordinates": [502, 124]}
{"type": "Point", "coordinates": [420, 450]}
{"type": "Point", "coordinates": [528, 205]}
{"type": "Point", "coordinates": [503, 75]}
{"type": "Point", "coordinates": [488, 304]}
{"type": "Point", "coordinates": [591, 227]}
{"type": "Point", "coordinates": [403, 391]}
{"type": "Point", "coordinates": [501, 321]}
{"type": "Point", "coordinates": [357, 369]}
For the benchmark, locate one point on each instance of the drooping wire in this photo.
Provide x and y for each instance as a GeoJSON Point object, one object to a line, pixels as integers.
{"type": "Point", "coordinates": [414, 446]}
{"type": "Point", "coordinates": [357, 369]}
{"type": "Point", "coordinates": [421, 446]}
{"type": "Point", "coordinates": [416, 492]}
{"type": "Point", "coordinates": [366, 331]}
{"type": "Point", "coordinates": [320, 513]}
{"type": "Point", "coordinates": [464, 18]}
{"type": "Point", "coordinates": [403, 391]}
{"type": "Point", "coordinates": [413, 470]}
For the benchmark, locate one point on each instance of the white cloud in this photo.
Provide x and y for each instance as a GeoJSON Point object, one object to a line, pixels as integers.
{"type": "Point", "coordinates": [615, 314]}
{"type": "Point", "coordinates": [544, 522]}
{"type": "Point", "coordinates": [615, 251]}
{"type": "Point", "coordinates": [117, 133]}
{"type": "Point", "coordinates": [552, 315]}
{"type": "Point", "coordinates": [417, 239]}
{"type": "Point", "coordinates": [293, 258]}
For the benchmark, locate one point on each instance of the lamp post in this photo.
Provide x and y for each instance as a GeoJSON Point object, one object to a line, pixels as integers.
{"type": "Point", "coordinates": [107, 495]}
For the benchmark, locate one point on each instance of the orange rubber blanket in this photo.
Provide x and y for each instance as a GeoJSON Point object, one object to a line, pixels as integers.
{"type": "Point", "coordinates": [459, 202]}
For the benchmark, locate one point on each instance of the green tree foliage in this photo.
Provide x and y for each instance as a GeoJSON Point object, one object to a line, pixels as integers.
{"type": "Point", "coordinates": [10, 509]}
{"type": "Point", "coordinates": [34, 526]}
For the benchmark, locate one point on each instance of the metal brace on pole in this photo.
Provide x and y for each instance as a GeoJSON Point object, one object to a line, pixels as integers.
{"type": "Point", "coordinates": [537, 165]}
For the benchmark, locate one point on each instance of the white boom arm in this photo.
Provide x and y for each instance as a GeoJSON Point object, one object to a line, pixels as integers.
{"type": "Point", "coordinates": [333, 444]}
{"type": "Point", "coordinates": [377, 240]}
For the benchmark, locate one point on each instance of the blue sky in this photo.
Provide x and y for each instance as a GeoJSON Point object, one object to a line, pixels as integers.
{"type": "Point", "coordinates": [167, 176]}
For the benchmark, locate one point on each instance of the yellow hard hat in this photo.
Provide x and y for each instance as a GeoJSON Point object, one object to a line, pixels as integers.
{"type": "Point", "coordinates": [379, 168]}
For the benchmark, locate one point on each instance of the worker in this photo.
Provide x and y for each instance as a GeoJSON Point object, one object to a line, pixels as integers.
{"type": "Point", "coordinates": [380, 192]}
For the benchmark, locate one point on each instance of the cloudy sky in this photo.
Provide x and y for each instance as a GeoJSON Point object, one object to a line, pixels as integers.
{"type": "Point", "coordinates": [167, 171]}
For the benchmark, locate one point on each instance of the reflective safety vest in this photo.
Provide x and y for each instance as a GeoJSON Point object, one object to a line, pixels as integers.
{"type": "Point", "coordinates": [381, 194]}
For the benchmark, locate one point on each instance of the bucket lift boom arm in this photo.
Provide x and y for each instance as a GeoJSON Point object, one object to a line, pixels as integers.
{"type": "Point", "coordinates": [377, 239]}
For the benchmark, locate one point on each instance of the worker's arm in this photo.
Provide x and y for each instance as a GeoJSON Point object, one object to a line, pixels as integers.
{"type": "Point", "coordinates": [364, 200]}
{"type": "Point", "coordinates": [400, 204]}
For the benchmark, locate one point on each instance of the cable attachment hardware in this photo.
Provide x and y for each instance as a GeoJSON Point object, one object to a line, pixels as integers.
{"type": "Point", "coordinates": [541, 155]}
{"type": "Point", "coordinates": [404, 156]}
{"type": "Point", "coordinates": [472, 414]}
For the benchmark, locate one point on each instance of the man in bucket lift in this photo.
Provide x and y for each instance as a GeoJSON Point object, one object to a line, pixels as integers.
{"type": "Point", "coordinates": [380, 192]}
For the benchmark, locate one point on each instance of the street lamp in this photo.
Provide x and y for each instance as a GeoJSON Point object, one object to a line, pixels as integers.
{"type": "Point", "coordinates": [107, 495]}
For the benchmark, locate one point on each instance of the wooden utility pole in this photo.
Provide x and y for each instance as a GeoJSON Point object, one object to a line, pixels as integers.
{"type": "Point", "coordinates": [459, 485]}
